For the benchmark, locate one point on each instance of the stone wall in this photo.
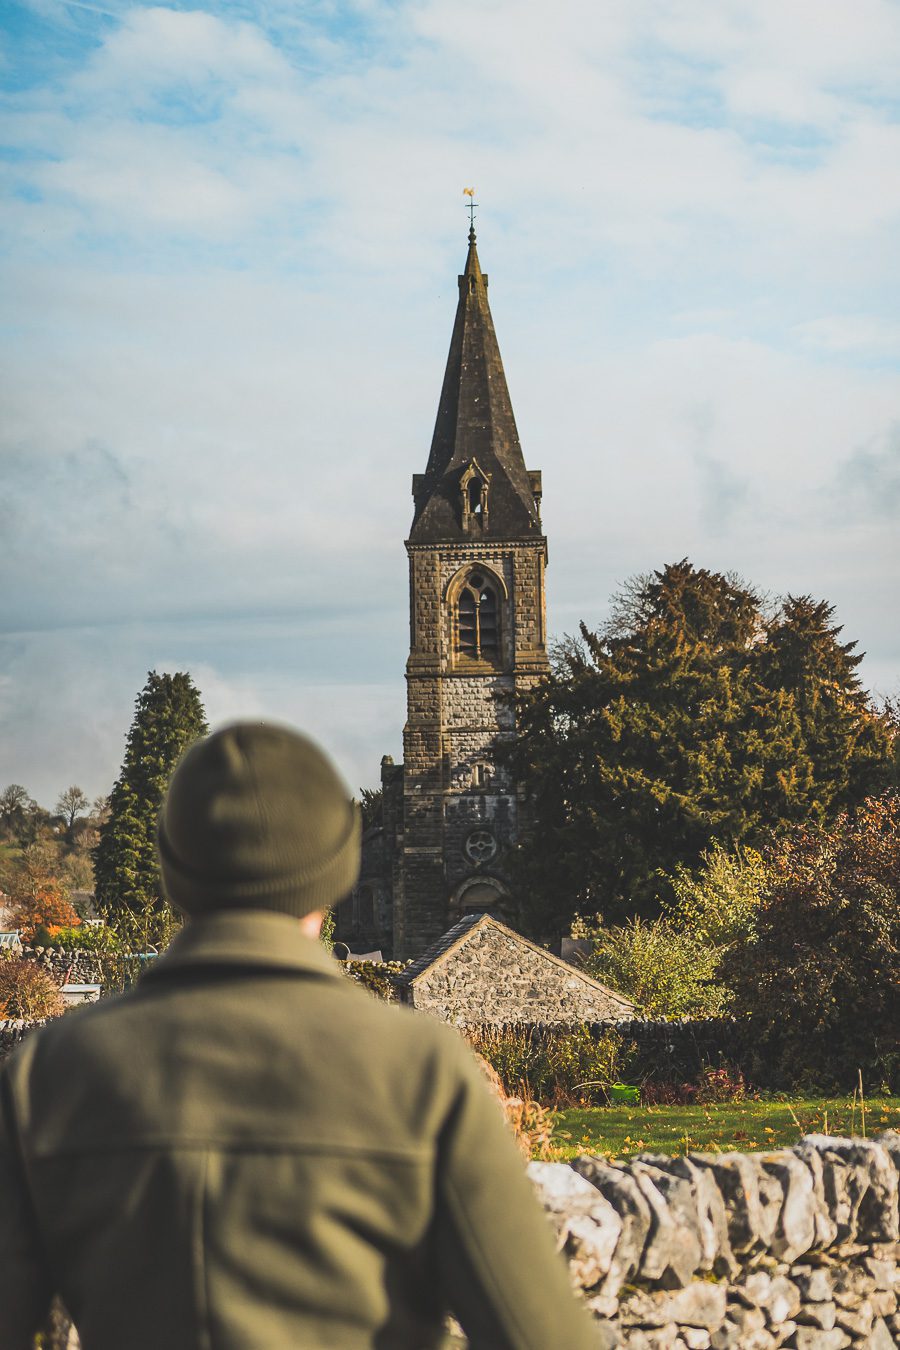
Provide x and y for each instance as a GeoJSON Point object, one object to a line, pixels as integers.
{"type": "Point", "coordinates": [734, 1251]}
{"type": "Point", "coordinates": [76, 967]}
{"type": "Point", "coordinates": [111, 970]}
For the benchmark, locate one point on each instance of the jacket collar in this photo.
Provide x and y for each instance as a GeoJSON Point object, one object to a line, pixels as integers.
{"type": "Point", "coordinates": [244, 937]}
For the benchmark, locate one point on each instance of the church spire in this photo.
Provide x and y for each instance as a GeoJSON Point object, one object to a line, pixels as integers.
{"type": "Point", "coordinates": [475, 478]}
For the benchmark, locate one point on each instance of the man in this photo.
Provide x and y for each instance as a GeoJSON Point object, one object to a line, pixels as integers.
{"type": "Point", "coordinates": [248, 1152]}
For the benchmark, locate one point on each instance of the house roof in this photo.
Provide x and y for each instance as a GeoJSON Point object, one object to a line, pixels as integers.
{"type": "Point", "coordinates": [461, 932]}
{"type": "Point", "coordinates": [438, 949]}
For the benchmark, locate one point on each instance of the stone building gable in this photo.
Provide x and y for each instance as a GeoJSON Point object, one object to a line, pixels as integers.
{"type": "Point", "coordinates": [482, 973]}
{"type": "Point", "coordinates": [439, 948]}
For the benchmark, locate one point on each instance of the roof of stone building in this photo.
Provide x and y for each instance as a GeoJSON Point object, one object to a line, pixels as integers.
{"type": "Point", "coordinates": [439, 948]}
{"type": "Point", "coordinates": [459, 934]}
{"type": "Point", "coordinates": [475, 421]}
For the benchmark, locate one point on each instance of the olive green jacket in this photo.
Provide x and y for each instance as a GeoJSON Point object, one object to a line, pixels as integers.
{"type": "Point", "coordinates": [249, 1152]}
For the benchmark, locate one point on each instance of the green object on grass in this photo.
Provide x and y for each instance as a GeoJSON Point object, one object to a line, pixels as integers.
{"type": "Point", "coordinates": [621, 1092]}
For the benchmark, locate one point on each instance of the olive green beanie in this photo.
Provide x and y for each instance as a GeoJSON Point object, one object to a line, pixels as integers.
{"type": "Point", "coordinates": [256, 817]}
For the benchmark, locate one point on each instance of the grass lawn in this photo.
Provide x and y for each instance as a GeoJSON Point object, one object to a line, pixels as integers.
{"type": "Point", "coordinates": [622, 1131]}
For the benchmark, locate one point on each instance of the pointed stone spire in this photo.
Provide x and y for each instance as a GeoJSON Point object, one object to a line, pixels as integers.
{"type": "Point", "coordinates": [475, 436]}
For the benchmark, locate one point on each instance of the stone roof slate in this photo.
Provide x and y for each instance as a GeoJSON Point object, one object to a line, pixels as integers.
{"type": "Point", "coordinates": [438, 949]}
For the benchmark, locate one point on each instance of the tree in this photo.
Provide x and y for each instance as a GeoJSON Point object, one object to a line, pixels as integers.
{"type": "Point", "coordinates": [14, 804]}
{"type": "Point", "coordinates": [71, 804]}
{"type": "Point", "coordinates": [649, 741]}
{"type": "Point", "coordinates": [99, 810]}
{"type": "Point", "coordinates": [821, 979]}
{"type": "Point", "coordinates": [44, 913]}
{"type": "Point", "coordinates": [370, 804]}
{"type": "Point", "coordinates": [34, 869]}
{"type": "Point", "coordinates": [847, 742]}
{"type": "Point", "coordinates": [669, 731]}
{"type": "Point", "coordinates": [168, 717]}
{"type": "Point", "coordinates": [20, 816]}
{"type": "Point", "coordinates": [39, 899]}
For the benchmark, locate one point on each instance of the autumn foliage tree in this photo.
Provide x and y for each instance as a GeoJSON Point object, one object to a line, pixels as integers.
{"type": "Point", "coordinates": [39, 898]}
{"type": "Point", "coordinates": [45, 912]}
{"type": "Point", "coordinates": [821, 977]}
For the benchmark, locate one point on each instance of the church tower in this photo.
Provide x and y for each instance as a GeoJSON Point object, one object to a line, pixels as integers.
{"type": "Point", "coordinates": [477, 637]}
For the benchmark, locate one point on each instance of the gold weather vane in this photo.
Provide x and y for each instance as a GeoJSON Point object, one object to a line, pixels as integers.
{"type": "Point", "coordinates": [470, 206]}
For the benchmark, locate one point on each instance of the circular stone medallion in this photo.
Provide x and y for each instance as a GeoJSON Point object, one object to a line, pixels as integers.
{"type": "Point", "coordinates": [480, 846]}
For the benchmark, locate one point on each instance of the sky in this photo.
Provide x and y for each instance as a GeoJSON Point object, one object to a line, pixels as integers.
{"type": "Point", "coordinates": [229, 245]}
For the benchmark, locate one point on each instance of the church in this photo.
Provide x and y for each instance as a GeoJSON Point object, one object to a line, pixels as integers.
{"type": "Point", "coordinates": [477, 557]}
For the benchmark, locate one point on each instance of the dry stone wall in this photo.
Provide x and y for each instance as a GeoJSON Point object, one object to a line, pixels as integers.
{"type": "Point", "coordinates": [796, 1248]}
{"type": "Point", "coordinates": [111, 970]}
{"type": "Point", "coordinates": [75, 966]}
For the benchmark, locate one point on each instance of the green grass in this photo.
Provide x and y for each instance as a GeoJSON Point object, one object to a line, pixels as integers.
{"type": "Point", "coordinates": [623, 1131]}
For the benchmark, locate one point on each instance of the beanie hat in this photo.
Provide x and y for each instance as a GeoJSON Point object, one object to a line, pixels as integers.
{"type": "Point", "coordinates": [256, 817]}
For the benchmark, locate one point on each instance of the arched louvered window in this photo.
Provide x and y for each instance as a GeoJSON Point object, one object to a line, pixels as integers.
{"type": "Point", "coordinates": [478, 620]}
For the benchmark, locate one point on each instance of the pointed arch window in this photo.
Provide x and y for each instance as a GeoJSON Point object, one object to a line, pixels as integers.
{"type": "Point", "coordinates": [478, 620]}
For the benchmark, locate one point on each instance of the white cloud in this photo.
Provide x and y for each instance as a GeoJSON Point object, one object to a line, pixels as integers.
{"type": "Point", "coordinates": [234, 243]}
{"type": "Point", "coordinates": [866, 334]}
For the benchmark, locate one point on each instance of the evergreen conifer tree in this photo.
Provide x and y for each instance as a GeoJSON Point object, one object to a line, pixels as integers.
{"type": "Point", "coordinates": [675, 728]}
{"type": "Point", "coordinates": [168, 717]}
{"type": "Point", "coordinates": [847, 742]}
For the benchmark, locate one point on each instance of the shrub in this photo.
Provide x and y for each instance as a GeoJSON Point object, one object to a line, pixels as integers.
{"type": "Point", "coordinates": [85, 938]}
{"type": "Point", "coordinates": [376, 976]}
{"type": "Point", "coordinates": [531, 1123]}
{"type": "Point", "coordinates": [556, 1067]}
{"type": "Point", "coordinates": [724, 1083]}
{"type": "Point", "coordinates": [326, 936]}
{"type": "Point", "coordinates": [718, 902]}
{"type": "Point", "coordinates": [665, 969]}
{"type": "Point", "coordinates": [26, 991]}
{"type": "Point", "coordinates": [822, 977]}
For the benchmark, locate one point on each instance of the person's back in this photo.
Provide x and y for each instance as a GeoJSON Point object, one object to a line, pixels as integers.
{"type": "Point", "coordinates": [249, 1151]}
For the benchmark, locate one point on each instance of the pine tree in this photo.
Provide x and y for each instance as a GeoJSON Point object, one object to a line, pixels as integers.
{"type": "Point", "coordinates": [168, 717]}
{"type": "Point", "coordinates": [847, 741]}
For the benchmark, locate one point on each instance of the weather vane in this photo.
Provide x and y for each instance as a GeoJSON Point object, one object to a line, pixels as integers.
{"type": "Point", "coordinates": [470, 207]}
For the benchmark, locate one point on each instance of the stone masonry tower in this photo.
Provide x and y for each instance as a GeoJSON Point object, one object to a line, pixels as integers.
{"type": "Point", "coordinates": [477, 636]}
